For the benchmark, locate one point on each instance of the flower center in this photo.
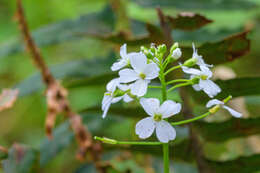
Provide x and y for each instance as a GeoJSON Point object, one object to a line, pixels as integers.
{"type": "Point", "coordinates": [157, 117]}
{"type": "Point", "coordinates": [204, 77]}
{"type": "Point", "coordinates": [142, 75]}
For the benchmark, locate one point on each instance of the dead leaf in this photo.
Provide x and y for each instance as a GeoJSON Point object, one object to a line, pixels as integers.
{"type": "Point", "coordinates": [8, 98]}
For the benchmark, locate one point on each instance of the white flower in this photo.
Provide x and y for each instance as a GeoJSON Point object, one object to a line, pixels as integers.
{"type": "Point", "coordinates": [124, 61]}
{"type": "Point", "coordinates": [176, 54]}
{"type": "Point", "coordinates": [222, 104]}
{"type": "Point", "coordinates": [141, 74]}
{"type": "Point", "coordinates": [198, 57]}
{"type": "Point", "coordinates": [110, 97]}
{"type": "Point", "coordinates": [164, 131]}
{"type": "Point", "coordinates": [205, 84]}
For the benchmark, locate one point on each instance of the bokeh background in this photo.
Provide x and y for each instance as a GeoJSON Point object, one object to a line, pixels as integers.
{"type": "Point", "coordinates": [73, 37]}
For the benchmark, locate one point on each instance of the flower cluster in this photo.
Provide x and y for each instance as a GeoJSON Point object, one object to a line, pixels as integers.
{"type": "Point", "coordinates": [136, 71]}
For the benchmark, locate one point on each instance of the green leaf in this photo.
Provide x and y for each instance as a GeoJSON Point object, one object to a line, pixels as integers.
{"type": "Point", "coordinates": [74, 69]}
{"type": "Point", "coordinates": [223, 51]}
{"type": "Point", "coordinates": [89, 168]}
{"type": "Point", "coordinates": [91, 24]}
{"type": "Point", "coordinates": [199, 4]}
{"type": "Point", "coordinates": [21, 159]}
{"type": "Point", "coordinates": [249, 164]}
{"type": "Point", "coordinates": [229, 129]}
{"type": "Point", "coordinates": [237, 87]}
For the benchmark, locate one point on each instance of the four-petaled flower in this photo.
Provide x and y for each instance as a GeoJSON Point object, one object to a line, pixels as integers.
{"type": "Point", "coordinates": [124, 61]}
{"type": "Point", "coordinates": [222, 104]}
{"type": "Point", "coordinates": [199, 59]}
{"type": "Point", "coordinates": [141, 74]}
{"type": "Point", "coordinates": [113, 95]}
{"type": "Point", "coordinates": [164, 131]}
{"type": "Point", "coordinates": [204, 83]}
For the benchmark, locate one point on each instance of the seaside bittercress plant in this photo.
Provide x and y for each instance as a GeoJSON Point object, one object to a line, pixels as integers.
{"type": "Point", "coordinates": [138, 69]}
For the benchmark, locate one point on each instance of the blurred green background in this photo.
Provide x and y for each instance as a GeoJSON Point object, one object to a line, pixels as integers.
{"type": "Point", "coordinates": [67, 32]}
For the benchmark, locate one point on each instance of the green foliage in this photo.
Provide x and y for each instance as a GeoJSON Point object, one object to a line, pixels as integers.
{"type": "Point", "coordinates": [114, 26]}
{"type": "Point", "coordinates": [21, 159]}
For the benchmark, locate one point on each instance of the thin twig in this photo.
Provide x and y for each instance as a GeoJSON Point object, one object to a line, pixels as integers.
{"type": "Point", "coordinates": [56, 94]}
{"type": "Point", "coordinates": [165, 27]}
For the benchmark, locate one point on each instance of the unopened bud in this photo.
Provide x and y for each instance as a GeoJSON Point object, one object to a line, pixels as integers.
{"type": "Point", "coordinates": [162, 49]}
{"type": "Point", "coordinates": [176, 54]}
{"type": "Point", "coordinates": [190, 62]}
{"type": "Point", "coordinates": [175, 46]}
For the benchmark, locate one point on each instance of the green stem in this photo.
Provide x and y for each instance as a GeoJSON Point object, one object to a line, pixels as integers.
{"type": "Point", "coordinates": [171, 69]}
{"type": "Point", "coordinates": [115, 142]}
{"type": "Point", "coordinates": [165, 145]}
{"type": "Point", "coordinates": [177, 80]}
{"type": "Point", "coordinates": [191, 120]}
{"type": "Point", "coordinates": [211, 111]}
{"type": "Point", "coordinates": [179, 85]}
{"type": "Point", "coordinates": [150, 86]}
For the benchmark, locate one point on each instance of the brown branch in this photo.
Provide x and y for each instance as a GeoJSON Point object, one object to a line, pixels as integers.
{"type": "Point", "coordinates": [165, 28]}
{"type": "Point", "coordinates": [56, 95]}
{"type": "Point", "coordinates": [196, 144]}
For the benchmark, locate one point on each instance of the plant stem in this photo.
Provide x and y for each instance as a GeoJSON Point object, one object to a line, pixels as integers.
{"type": "Point", "coordinates": [201, 116]}
{"type": "Point", "coordinates": [171, 69]}
{"type": "Point", "coordinates": [115, 142]}
{"type": "Point", "coordinates": [154, 86]}
{"type": "Point", "coordinates": [165, 145]}
{"type": "Point", "coordinates": [179, 85]}
{"type": "Point", "coordinates": [177, 80]}
{"type": "Point", "coordinates": [191, 120]}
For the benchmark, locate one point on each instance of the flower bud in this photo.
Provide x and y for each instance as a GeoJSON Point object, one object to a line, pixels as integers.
{"type": "Point", "coordinates": [175, 46]}
{"type": "Point", "coordinates": [190, 62]}
{"type": "Point", "coordinates": [162, 49]}
{"type": "Point", "coordinates": [176, 54]}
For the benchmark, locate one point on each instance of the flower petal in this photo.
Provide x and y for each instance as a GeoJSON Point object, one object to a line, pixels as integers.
{"type": "Point", "coordinates": [196, 87]}
{"type": "Point", "coordinates": [145, 127]}
{"type": "Point", "coordinates": [111, 86]}
{"type": "Point", "coordinates": [209, 87]}
{"type": "Point", "coordinates": [151, 71]}
{"type": "Point", "coordinates": [116, 99]}
{"type": "Point", "coordinates": [165, 132]}
{"type": "Point", "coordinates": [127, 98]}
{"type": "Point", "coordinates": [123, 51]}
{"type": "Point", "coordinates": [107, 99]}
{"type": "Point", "coordinates": [206, 71]}
{"type": "Point", "coordinates": [127, 75]}
{"type": "Point", "coordinates": [106, 108]}
{"type": "Point", "coordinates": [233, 112]}
{"type": "Point", "coordinates": [150, 105]}
{"type": "Point", "coordinates": [139, 88]}
{"type": "Point", "coordinates": [214, 102]}
{"type": "Point", "coordinates": [191, 70]}
{"type": "Point", "coordinates": [118, 65]}
{"type": "Point", "coordinates": [169, 108]}
{"type": "Point", "coordinates": [138, 62]}
{"type": "Point", "coordinates": [123, 87]}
